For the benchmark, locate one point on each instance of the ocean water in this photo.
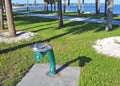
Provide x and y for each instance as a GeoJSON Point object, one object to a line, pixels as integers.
{"type": "Point", "coordinates": [73, 8]}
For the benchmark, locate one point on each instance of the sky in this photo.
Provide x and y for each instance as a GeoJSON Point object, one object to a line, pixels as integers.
{"type": "Point", "coordinates": [72, 1]}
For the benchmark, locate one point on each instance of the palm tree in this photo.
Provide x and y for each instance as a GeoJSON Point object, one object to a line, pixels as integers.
{"type": "Point", "coordinates": [82, 6]}
{"type": "Point", "coordinates": [45, 5]}
{"type": "Point", "coordinates": [27, 5]}
{"type": "Point", "coordinates": [64, 6]}
{"type": "Point", "coordinates": [1, 15]}
{"type": "Point", "coordinates": [35, 7]}
{"type": "Point", "coordinates": [105, 7]}
{"type": "Point", "coordinates": [60, 14]}
{"type": "Point", "coordinates": [97, 6]}
{"type": "Point", "coordinates": [54, 5]}
{"type": "Point", "coordinates": [68, 4]}
{"type": "Point", "coordinates": [11, 27]}
{"type": "Point", "coordinates": [78, 7]}
{"type": "Point", "coordinates": [51, 2]}
{"type": "Point", "coordinates": [109, 15]}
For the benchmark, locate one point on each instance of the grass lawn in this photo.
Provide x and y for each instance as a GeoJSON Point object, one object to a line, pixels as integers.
{"type": "Point", "coordinates": [72, 43]}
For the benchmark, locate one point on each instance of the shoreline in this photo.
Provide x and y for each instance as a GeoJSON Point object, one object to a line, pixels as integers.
{"type": "Point", "coordinates": [18, 6]}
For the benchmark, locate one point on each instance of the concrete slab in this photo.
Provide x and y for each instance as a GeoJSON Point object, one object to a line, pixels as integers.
{"type": "Point", "coordinates": [37, 76]}
{"type": "Point", "coordinates": [52, 16]}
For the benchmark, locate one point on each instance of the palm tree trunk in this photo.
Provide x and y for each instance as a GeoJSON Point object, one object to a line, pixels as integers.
{"type": "Point", "coordinates": [69, 5]}
{"type": "Point", "coordinates": [27, 5]}
{"type": "Point", "coordinates": [64, 6]}
{"type": "Point", "coordinates": [35, 6]}
{"type": "Point", "coordinates": [105, 7]}
{"type": "Point", "coordinates": [54, 5]}
{"type": "Point", "coordinates": [1, 16]}
{"type": "Point", "coordinates": [82, 6]}
{"type": "Point", "coordinates": [78, 7]}
{"type": "Point", "coordinates": [60, 19]}
{"type": "Point", "coordinates": [45, 6]}
{"type": "Point", "coordinates": [11, 27]}
{"type": "Point", "coordinates": [97, 6]}
{"type": "Point", "coordinates": [51, 5]}
{"type": "Point", "coordinates": [109, 15]}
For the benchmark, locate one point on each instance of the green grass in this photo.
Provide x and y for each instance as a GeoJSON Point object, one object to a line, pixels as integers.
{"type": "Point", "coordinates": [72, 44]}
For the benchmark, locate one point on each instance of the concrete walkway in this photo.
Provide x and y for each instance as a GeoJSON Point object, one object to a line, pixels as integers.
{"type": "Point", "coordinates": [114, 22]}
{"type": "Point", "coordinates": [37, 76]}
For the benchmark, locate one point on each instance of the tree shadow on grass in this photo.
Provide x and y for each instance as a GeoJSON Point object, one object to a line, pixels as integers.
{"type": "Point", "coordinates": [82, 62]}
{"type": "Point", "coordinates": [26, 20]}
{"type": "Point", "coordinates": [79, 28]}
{"type": "Point", "coordinates": [102, 28]}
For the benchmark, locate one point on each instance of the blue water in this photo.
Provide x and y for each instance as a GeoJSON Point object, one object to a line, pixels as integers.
{"type": "Point", "coordinates": [73, 8]}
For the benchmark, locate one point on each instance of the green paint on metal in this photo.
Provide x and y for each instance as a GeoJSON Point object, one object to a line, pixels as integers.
{"type": "Point", "coordinates": [40, 50]}
{"type": "Point", "coordinates": [38, 56]}
{"type": "Point", "coordinates": [51, 58]}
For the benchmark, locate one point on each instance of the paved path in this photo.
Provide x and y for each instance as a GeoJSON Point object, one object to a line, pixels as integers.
{"type": "Point", "coordinates": [37, 76]}
{"type": "Point", "coordinates": [114, 22]}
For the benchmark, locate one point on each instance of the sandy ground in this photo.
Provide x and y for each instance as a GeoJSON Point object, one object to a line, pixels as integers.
{"type": "Point", "coordinates": [4, 37]}
{"type": "Point", "coordinates": [108, 46]}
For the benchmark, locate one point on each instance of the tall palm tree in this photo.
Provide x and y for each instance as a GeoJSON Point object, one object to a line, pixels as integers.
{"type": "Point", "coordinates": [51, 2]}
{"type": "Point", "coordinates": [78, 7]}
{"type": "Point", "coordinates": [69, 5]}
{"type": "Point", "coordinates": [54, 5]}
{"type": "Point", "coordinates": [97, 6]}
{"type": "Point", "coordinates": [35, 6]}
{"type": "Point", "coordinates": [60, 19]}
{"type": "Point", "coordinates": [45, 5]}
{"type": "Point", "coordinates": [105, 7]}
{"type": "Point", "coordinates": [82, 6]}
{"type": "Point", "coordinates": [1, 15]}
{"type": "Point", "coordinates": [64, 6]}
{"type": "Point", "coordinates": [27, 5]}
{"type": "Point", "coordinates": [109, 15]}
{"type": "Point", "coordinates": [11, 27]}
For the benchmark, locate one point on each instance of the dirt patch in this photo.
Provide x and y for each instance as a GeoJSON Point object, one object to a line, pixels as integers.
{"type": "Point", "coordinates": [4, 37]}
{"type": "Point", "coordinates": [108, 46]}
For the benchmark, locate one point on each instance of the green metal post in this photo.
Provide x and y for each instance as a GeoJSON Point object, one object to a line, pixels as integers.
{"type": "Point", "coordinates": [51, 58]}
